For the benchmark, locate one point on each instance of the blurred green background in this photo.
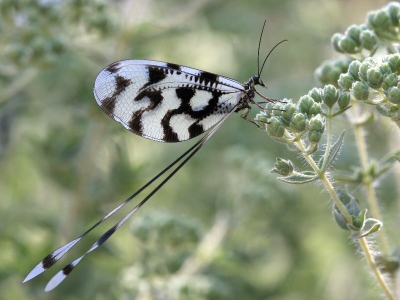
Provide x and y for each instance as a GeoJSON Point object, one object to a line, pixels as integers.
{"type": "Point", "coordinates": [223, 227]}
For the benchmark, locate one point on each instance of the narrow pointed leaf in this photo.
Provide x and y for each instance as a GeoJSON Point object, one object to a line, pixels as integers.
{"type": "Point", "coordinates": [333, 152]}
{"type": "Point", "coordinates": [300, 177]}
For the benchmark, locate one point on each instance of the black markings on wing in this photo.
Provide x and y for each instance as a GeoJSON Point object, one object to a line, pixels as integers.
{"type": "Point", "coordinates": [48, 261]}
{"type": "Point", "coordinates": [113, 68]}
{"type": "Point", "coordinates": [67, 269]}
{"type": "Point", "coordinates": [175, 67]}
{"type": "Point", "coordinates": [155, 98]}
{"type": "Point", "coordinates": [208, 78]}
{"type": "Point", "coordinates": [108, 104]}
{"type": "Point", "coordinates": [156, 74]}
{"type": "Point", "coordinates": [185, 94]}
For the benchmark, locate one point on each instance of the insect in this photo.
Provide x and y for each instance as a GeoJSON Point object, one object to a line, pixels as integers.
{"type": "Point", "coordinates": [164, 102]}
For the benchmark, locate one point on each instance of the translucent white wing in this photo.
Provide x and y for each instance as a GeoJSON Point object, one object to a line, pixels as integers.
{"type": "Point", "coordinates": [163, 101]}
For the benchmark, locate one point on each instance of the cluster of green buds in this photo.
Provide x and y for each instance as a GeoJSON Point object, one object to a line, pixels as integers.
{"type": "Point", "coordinates": [359, 41]}
{"type": "Point", "coordinates": [375, 83]}
{"type": "Point", "coordinates": [33, 31]}
{"type": "Point", "coordinates": [303, 122]}
{"type": "Point", "coordinates": [381, 25]}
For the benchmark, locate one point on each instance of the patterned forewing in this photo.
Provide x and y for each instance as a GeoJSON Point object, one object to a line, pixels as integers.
{"type": "Point", "coordinates": [162, 101]}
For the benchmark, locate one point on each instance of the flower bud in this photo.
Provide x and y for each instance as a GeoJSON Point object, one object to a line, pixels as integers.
{"type": "Point", "coordinates": [328, 72]}
{"type": "Point", "coordinates": [365, 66]}
{"type": "Point", "coordinates": [315, 109]}
{"type": "Point", "coordinates": [335, 42]}
{"type": "Point", "coordinates": [354, 68]}
{"type": "Point", "coordinates": [394, 95]}
{"type": "Point", "coordinates": [304, 104]}
{"type": "Point", "coordinates": [374, 78]}
{"type": "Point", "coordinates": [315, 94]}
{"type": "Point", "coordinates": [393, 9]}
{"type": "Point", "coordinates": [394, 62]}
{"type": "Point", "coordinates": [348, 45]}
{"type": "Point", "coordinates": [330, 95]}
{"type": "Point", "coordinates": [360, 90]}
{"type": "Point", "coordinates": [298, 122]}
{"type": "Point", "coordinates": [389, 81]}
{"type": "Point", "coordinates": [283, 167]}
{"type": "Point", "coordinates": [354, 32]}
{"type": "Point", "coordinates": [344, 100]}
{"type": "Point", "coordinates": [378, 20]}
{"type": "Point", "coordinates": [275, 127]}
{"type": "Point", "coordinates": [262, 116]}
{"type": "Point", "coordinates": [369, 40]}
{"type": "Point", "coordinates": [346, 81]}
{"type": "Point", "coordinates": [290, 109]}
{"type": "Point", "coordinates": [384, 68]}
{"type": "Point", "coordinates": [316, 127]}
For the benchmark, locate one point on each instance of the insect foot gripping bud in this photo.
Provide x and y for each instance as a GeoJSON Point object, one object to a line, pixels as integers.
{"type": "Point", "coordinates": [275, 127]}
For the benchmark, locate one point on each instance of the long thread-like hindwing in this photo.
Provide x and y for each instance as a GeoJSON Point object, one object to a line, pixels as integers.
{"type": "Point", "coordinates": [163, 101]}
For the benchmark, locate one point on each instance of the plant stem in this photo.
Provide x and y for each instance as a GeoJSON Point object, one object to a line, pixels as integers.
{"type": "Point", "coordinates": [375, 269]}
{"type": "Point", "coordinates": [329, 139]}
{"type": "Point", "coordinates": [362, 241]}
{"type": "Point", "coordinates": [325, 180]}
{"type": "Point", "coordinates": [368, 183]}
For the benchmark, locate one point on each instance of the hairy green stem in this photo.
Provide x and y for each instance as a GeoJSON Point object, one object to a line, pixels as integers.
{"type": "Point", "coordinates": [368, 184]}
{"type": "Point", "coordinates": [325, 180]}
{"type": "Point", "coordinates": [329, 139]}
{"type": "Point", "coordinates": [375, 269]}
{"type": "Point", "coordinates": [362, 241]}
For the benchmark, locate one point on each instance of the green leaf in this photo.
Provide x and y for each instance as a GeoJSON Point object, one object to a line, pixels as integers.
{"type": "Point", "coordinates": [333, 152]}
{"type": "Point", "coordinates": [362, 215]}
{"type": "Point", "coordinates": [388, 264]}
{"type": "Point", "coordinates": [370, 226]}
{"type": "Point", "coordinates": [300, 177]}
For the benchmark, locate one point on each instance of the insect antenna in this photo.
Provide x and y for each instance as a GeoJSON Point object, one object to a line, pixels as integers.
{"type": "Point", "coordinates": [259, 73]}
{"type": "Point", "coordinates": [258, 52]}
